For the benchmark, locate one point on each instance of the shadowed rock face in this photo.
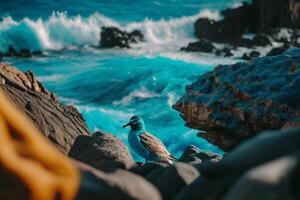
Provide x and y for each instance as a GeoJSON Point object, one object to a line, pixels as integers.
{"type": "Point", "coordinates": [60, 124]}
{"type": "Point", "coordinates": [235, 102]}
{"type": "Point", "coordinates": [102, 151]}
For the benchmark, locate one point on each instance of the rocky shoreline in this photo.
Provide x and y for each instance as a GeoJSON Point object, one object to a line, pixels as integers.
{"type": "Point", "coordinates": [234, 104]}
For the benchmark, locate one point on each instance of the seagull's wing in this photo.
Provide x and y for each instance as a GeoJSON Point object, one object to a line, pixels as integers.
{"type": "Point", "coordinates": [155, 146]}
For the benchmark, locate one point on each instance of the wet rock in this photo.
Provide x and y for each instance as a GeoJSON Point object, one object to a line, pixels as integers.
{"type": "Point", "coordinates": [236, 22]}
{"type": "Point", "coordinates": [174, 178]}
{"type": "Point", "coordinates": [261, 40]}
{"type": "Point", "coordinates": [102, 151]}
{"type": "Point", "coordinates": [200, 46]}
{"type": "Point", "coordinates": [59, 123]}
{"type": "Point", "coordinates": [120, 184]}
{"type": "Point", "coordinates": [236, 102]}
{"type": "Point", "coordinates": [252, 54]}
{"type": "Point", "coordinates": [25, 53]}
{"type": "Point", "coordinates": [114, 37]}
{"type": "Point", "coordinates": [12, 52]}
{"type": "Point", "coordinates": [278, 50]}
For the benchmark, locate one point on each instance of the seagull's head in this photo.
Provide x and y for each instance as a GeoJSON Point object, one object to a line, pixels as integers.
{"type": "Point", "coordinates": [136, 123]}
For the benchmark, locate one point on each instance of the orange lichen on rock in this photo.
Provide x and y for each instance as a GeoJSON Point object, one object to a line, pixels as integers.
{"type": "Point", "coordinates": [30, 168]}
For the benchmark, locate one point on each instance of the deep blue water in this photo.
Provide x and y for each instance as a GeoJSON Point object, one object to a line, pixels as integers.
{"type": "Point", "coordinates": [109, 86]}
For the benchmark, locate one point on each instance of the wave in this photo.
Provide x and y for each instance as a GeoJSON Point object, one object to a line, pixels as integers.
{"type": "Point", "coordinates": [61, 31]}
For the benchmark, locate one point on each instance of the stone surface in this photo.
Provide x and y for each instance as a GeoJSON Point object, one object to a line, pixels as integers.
{"type": "Point", "coordinates": [192, 155]}
{"type": "Point", "coordinates": [235, 102]}
{"type": "Point", "coordinates": [102, 151]}
{"type": "Point", "coordinates": [120, 184]}
{"type": "Point", "coordinates": [59, 123]}
{"type": "Point", "coordinates": [274, 180]}
{"type": "Point", "coordinates": [201, 45]}
{"type": "Point", "coordinates": [174, 178]}
{"type": "Point", "coordinates": [218, 178]}
{"type": "Point", "coordinates": [114, 37]}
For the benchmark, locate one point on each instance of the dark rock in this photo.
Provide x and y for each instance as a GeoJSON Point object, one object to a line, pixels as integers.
{"type": "Point", "coordinates": [145, 169]}
{"type": "Point", "coordinates": [261, 40]}
{"type": "Point", "coordinates": [277, 179]}
{"type": "Point", "coordinates": [201, 46]}
{"type": "Point", "coordinates": [217, 178]}
{"type": "Point", "coordinates": [192, 155]}
{"type": "Point", "coordinates": [12, 52]}
{"type": "Point", "coordinates": [252, 54]}
{"type": "Point", "coordinates": [277, 51]}
{"type": "Point", "coordinates": [226, 52]}
{"type": "Point", "coordinates": [236, 102]}
{"type": "Point", "coordinates": [25, 53]}
{"type": "Point", "coordinates": [174, 178]}
{"type": "Point", "coordinates": [60, 124]}
{"type": "Point", "coordinates": [102, 151]}
{"type": "Point", "coordinates": [120, 184]}
{"type": "Point", "coordinates": [114, 37]}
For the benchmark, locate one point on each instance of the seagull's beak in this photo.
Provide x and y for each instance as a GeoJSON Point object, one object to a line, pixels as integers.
{"type": "Point", "coordinates": [124, 126]}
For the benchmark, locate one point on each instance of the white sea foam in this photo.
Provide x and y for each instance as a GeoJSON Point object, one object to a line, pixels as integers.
{"type": "Point", "coordinates": [142, 93]}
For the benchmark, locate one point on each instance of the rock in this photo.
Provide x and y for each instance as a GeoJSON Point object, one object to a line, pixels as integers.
{"type": "Point", "coordinates": [145, 169]}
{"type": "Point", "coordinates": [277, 51]}
{"type": "Point", "coordinates": [192, 155]}
{"type": "Point", "coordinates": [174, 178]}
{"type": "Point", "coordinates": [120, 184]}
{"type": "Point", "coordinates": [60, 124]}
{"type": "Point", "coordinates": [277, 179]}
{"type": "Point", "coordinates": [12, 52]}
{"type": "Point", "coordinates": [235, 102]}
{"type": "Point", "coordinates": [261, 40]}
{"type": "Point", "coordinates": [25, 53]}
{"type": "Point", "coordinates": [102, 151]}
{"type": "Point", "coordinates": [236, 22]}
{"type": "Point", "coordinates": [218, 178]}
{"type": "Point", "coordinates": [201, 45]}
{"type": "Point", "coordinates": [114, 37]}
{"type": "Point", "coordinates": [252, 54]}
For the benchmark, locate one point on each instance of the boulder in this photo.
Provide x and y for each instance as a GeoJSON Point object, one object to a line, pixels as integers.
{"type": "Point", "coordinates": [252, 54]}
{"type": "Point", "coordinates": [174, 178]}
{"type": "Point", "coordinates": [61, 124]}
{"type": "Point", "coordinates": [102, 151]}
{"type": "Point", "coordinates": [114, 37]}
{"type": "Point", "coordinates": [201, 46]}
{"type": "Point", "coordinates": [276, 180]}
{"type": "Point", "coordinates": [120, 184]}
{"type": "Point", "coordinates": [278, 50]}
{"type": "Point", "coordinates": [219, 177]}
{"type": "Point", "coordinates": [235, 102]}
{"type": "Point", "coordinates": [192, 155]}
{"type": "Point", "coordinates": [147, 168]}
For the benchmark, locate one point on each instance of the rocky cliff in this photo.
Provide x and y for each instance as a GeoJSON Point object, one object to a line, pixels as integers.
{"type": "Point", "coordinates": [235, 102]}
{"type": "Point", "coordinates": [61, 124]}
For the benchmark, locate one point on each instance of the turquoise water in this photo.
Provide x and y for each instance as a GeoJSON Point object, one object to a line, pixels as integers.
{"type": "Point", "coordinates": [109, 86]}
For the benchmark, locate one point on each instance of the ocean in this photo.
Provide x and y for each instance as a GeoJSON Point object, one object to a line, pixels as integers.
{"type": "Point", "coordinates": [108, 86]}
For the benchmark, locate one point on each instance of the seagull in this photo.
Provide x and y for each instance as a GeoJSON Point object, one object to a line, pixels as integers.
{"type": "Point", "coordinates": [146, 145]}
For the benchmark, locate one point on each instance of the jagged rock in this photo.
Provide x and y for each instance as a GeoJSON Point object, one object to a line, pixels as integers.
{"type": "Point", "coordinates": [218, 178]}
{"type": "Point", "coordinates": [102, 151]}
{"type": "Point", "coordinates": [192, 155]}
{"type": "Point", "coordinates": [235, 102]}
{"type": "Point", "coordinates": [114, 37]}
{"type": "Point", "coordinates": [60, 124]}
{"type": "Point", "coordinates": [120, 184]}
{"type": "Point", "coordinates": [201, 45]}
{"type": "Point", "coordinates": [275, 180]}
